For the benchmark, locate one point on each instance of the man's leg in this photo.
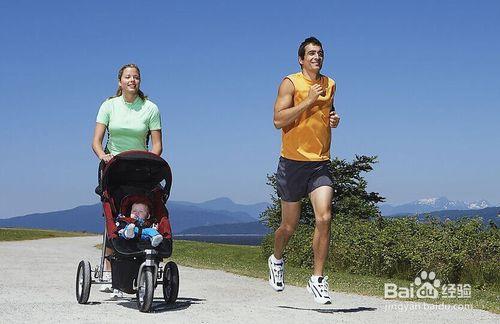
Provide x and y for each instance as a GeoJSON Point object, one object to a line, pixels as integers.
{"type": "Point", "coordinates": [321, 199]}
{"type": "Point", "coordinates": [290, 214]}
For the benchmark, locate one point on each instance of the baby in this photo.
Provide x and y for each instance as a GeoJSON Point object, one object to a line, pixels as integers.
{"type": "Point", "coordinates": [140, 212]}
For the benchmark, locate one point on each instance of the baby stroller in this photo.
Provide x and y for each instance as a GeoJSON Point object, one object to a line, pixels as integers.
{"type": "Point", "coordinates": [133, 177]}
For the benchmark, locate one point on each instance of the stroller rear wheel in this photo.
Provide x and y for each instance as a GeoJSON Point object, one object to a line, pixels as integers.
{"type": "Point", "coordinates": [145, 290]}
{"type": "Point", "coordinates": [170, 282]}
{"type": "Point", "coordinates": [83, 282]}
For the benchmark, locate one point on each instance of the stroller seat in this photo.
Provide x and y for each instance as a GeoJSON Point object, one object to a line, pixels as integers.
{"type": "Point", "coordinates": [158, 215]}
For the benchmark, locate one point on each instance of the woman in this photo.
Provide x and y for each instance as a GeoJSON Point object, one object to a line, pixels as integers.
{"type": "Point", "coordinates": [129, 117]}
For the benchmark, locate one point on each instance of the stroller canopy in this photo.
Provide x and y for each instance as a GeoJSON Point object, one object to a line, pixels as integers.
{"type": "Point", "coordinates": [139, 169]}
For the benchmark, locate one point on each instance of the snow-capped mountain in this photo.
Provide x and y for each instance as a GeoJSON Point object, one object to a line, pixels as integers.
{"type": "Point", "coordinates": [427, 205]}
{"type": "Point", "coordinates": [479, 204]}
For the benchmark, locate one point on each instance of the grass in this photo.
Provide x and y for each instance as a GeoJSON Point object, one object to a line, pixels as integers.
{"type": "Point", "coordinates": [248, 261]}
{"type": "Point", "coordinates": [22, 234]}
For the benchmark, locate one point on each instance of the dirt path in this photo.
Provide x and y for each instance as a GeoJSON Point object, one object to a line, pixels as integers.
{"type": "Point", "coordinates": [37, 284]}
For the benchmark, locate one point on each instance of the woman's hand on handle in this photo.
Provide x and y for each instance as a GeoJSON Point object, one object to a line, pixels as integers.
{"type": "Point", "coordinates": [106, 157]}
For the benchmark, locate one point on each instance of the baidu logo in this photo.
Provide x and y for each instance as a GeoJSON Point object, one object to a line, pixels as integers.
{"type": "Point", "coordinates": [426, 285]}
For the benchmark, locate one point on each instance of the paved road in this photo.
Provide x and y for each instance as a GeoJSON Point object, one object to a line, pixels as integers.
{"type": "Point", "coordinates": [37, 285]}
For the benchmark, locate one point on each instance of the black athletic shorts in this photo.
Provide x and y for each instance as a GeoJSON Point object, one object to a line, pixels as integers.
{"type": "Point", "coordinates": [297, 179]}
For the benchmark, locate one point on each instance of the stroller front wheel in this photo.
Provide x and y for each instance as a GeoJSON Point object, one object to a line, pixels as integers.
{"type": "Point", "coordinates": [145, 290]}
{"type": "Point", "coordinates": [170, 282]}
{"type": "Point", "coordinates": [83, 282]}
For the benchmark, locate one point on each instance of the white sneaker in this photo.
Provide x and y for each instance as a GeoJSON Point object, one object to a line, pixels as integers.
{"type": "Point", "coordinates": [106, 276]}
{"type": "Point", "coordinates": [129, 231]}
{"type": "Point", "coordinates": [319, 289]}
{"type": "Point", "coordinates": [276, 274]}
{"type": "Point", "coordinates": [156, 240]}
{"type": "Point", "coordinates": [117, 293]}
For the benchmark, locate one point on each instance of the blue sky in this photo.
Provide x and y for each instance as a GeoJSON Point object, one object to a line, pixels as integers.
{"type": "Point", "coordinates": [417, 84]}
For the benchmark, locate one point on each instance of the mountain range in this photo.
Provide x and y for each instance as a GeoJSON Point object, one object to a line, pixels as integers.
{"type": "Point", "coordinates": [183, 215]}
{"type": "Point", "coordinates": [223, 216]}
{"type": "Point", "coordinates": [428, 205]}
{"type": "Point", "coordinates": [488, 215]}
{"type": "Point", "coordinates": [226, 204]}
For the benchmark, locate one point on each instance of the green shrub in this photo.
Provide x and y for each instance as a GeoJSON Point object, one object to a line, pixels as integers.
{"type": "Point", "coordinates": [458, 252]}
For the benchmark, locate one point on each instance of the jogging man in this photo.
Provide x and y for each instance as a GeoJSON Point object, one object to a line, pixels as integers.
{"type": "Point", "coordinates": [303, 111]}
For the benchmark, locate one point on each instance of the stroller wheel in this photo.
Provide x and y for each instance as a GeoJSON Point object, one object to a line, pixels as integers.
{"type": "Point", "coordinates": [145, 290]}
{"type": "Point", "coordinates": [83, 282]}
{"type": "Point", "coordinates": [170, 282]}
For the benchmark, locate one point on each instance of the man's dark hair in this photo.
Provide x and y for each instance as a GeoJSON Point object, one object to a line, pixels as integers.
{"type": "Point", "coordinates": [307, 41]}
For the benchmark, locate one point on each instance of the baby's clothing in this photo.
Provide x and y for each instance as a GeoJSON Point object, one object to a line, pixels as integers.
{"type": "Point", "coordinates": [131, 230]}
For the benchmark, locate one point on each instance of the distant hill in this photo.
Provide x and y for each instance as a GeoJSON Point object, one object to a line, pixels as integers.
{"type": "Point", "coordinates": [224, 203]}
{"type": "Point", "coordinates": [184, 216]}
{"type": "Point", "coordinates": [239, 228]}
{"type": "Point", "coordinates": [486, 214]}
{"type": "Point", "coordinates": [427, 205]}
{"type": "Point", "coordinates": [89, 218]}
{"type": "Point", "coordinates": [83, 218]}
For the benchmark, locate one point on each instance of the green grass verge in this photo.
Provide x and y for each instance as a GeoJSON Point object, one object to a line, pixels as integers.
{"type": "Point", "coordinates": [22, 234]}
{"type": "Point", "coordinates": [248, 261]}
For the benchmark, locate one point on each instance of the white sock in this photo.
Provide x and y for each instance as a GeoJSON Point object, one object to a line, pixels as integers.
{"type": "Point", "coordinates": [156, 240]}
{"type": "Point", "coordinates": [274, 260]}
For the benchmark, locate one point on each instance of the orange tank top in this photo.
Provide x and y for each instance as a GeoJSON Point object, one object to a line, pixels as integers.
{"type": "Point", "coordinates": [308, 137]}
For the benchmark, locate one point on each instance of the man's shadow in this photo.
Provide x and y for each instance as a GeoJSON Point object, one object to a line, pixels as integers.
{"type": "Point", "coordinates": [160, 306]}
{"type": "Point", "coordinates": [332, 310]}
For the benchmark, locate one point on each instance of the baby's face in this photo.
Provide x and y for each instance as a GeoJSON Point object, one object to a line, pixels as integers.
{"type": "Point", "coordinates": [140, 211]}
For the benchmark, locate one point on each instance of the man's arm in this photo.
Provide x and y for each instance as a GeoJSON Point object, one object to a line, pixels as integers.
{"type": "Point", "coordinates": [284, 111]}
{"type": "Point", "coordinates": [334, 117]}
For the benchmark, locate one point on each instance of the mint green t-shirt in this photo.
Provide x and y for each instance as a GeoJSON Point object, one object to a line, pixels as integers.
{"type": "Point", "coordinates": [128, 124]}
